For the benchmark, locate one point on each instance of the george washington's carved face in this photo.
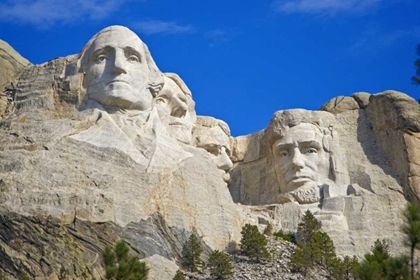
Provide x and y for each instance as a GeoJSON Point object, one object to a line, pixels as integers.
{"type": "Point", "coordinates": [117, 70]}
{"type": "Point", "coordinates": [300, 160]}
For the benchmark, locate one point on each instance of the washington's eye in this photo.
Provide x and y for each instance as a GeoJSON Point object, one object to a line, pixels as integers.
{"type": "Point", "coordinates": [134, 58]}
{"type": "Point", "coordinates": [101, 58]}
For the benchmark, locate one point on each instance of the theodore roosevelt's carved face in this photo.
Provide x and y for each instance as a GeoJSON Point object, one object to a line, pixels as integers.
{"type": "Point", "coordinates": [300, 159]}
{"type": "Point", "coordinates": [117, 70]}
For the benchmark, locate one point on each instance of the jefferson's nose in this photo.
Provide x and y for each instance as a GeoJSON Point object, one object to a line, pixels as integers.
{"type": "Point", "coordinates": [223, 161]}
{"type": "Point", "coordinates": [119, 63]}
{"type": "Point", "coordinates": [298, 160]}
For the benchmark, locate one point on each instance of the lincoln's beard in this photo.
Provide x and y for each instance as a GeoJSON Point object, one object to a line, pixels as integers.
{"type": "Point", "coordinates": [307, 195]}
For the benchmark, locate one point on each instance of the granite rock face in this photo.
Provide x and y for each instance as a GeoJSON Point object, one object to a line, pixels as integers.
{"type": "Point", "coordinates": [102, 145]}
{"type": "Point", "coordinates": [12, 64]}
{"type": "Point", "coordinates": [370, 151]}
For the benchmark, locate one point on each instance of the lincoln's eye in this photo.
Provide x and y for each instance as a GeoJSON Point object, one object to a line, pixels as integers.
{"type": "Point", "coordinates": [283, 154]}
{"type": "Point", "coordinates": [311, 151]}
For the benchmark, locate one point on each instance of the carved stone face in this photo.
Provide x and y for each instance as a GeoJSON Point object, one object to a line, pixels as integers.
{"type": "Point", "coordinates": [216, 142]}
{"type": "Point", "coordinates": [172, 105]}
{"type": "Point", "coordinates": [117, 70]}
{"type": "Point", "coordinates": [301, 162]}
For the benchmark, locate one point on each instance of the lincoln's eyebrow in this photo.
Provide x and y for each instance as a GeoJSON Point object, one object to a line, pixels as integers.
{"type": "Point", "coordinates": [310, 143]}
{"type": "Point", "coordinates": [283, 146]}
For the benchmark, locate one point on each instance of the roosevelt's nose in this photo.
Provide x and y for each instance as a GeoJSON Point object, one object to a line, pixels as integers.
{"type": "Point", "coordinates": [119, 66]}
{"type": "Point", "coordinates": [298, 160]}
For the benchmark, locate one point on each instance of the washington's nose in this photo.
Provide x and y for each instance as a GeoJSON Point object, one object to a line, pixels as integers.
{"type": "Point", "coordinates": [297, 160]}
{"type": "Point", "coordinates": [119, 63]}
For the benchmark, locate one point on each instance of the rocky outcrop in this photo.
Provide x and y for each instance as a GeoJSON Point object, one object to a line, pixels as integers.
{"type": "Point", "coordinates": [11, 65]}
{"type": "Point", "coordinates": [102, 145]}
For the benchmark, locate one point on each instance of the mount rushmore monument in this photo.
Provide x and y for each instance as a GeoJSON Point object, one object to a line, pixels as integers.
{"type": "Point", "coordinates": [102, 145]}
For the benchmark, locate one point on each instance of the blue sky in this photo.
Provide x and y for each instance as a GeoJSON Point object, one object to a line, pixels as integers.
{"type": "Point", "coordinates": [242, 59]}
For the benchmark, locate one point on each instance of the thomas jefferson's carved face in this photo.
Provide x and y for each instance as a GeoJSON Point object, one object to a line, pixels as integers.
{"type": "Point", "coordinates": [300, 159]}
{"type": "Point", "coordinates": [117, 70]}
{"type": "Point", "coordinates": [173, 109]}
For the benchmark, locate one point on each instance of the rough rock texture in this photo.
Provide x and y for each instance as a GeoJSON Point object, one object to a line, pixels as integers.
{"type": "Point", "coordinates": [12, 64]}
{"type": "Point", "coordinates": [373, 164]}
{"type": "Point", "coordinates": [81, 167]}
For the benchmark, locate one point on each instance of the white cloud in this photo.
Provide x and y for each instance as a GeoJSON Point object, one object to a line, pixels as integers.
{"type": "Point", "coordinates": [218, 37]}
{"type": "Point", "coordinates": [47, 12]}
{"type": "Point", "coordinates": [324, 6]}
{"type": "Point", "coordinates": [150, 27]}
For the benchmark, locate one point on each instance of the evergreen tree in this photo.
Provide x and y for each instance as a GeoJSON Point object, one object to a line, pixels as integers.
{"type": "Point", "coordinates": [192, 252]}
{"type": "Point", "coordinates": [300, 261]}
{"type": "Point", "coordinates": [119, 265]}
{"type": "Point", "coordinates": [220, 265]}
{"type": "Point", "coordinates": [374, 264]}
{"type": "Point", "coordinates": [253, 243]}
{"type": "Point", "coordinates": [343, 269]}
{"type": "Point", "coordinates": [268, 230]}
{"type": "Point", "coordinates": [411, 229]}
{"type": "Point", "coordinates": [398, 267]}
{"type": "Point", "coordinates": [416, 78]}
{"type": "Point", "coordinates": [306, 228]}
{"type": "Point", "coordinates": [179, 275]}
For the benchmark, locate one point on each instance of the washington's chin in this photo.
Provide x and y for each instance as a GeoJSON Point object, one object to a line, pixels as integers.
{"type": "Point", "coordinates": [122, 99]}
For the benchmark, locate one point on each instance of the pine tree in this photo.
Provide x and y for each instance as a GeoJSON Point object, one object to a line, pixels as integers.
{"type": "Point", "coordinates": [416, 78]}
{"type": "Point", "coordinates": [374, 264]}
{"type": "Point", "coordinates": [268, 230]}
{"type": "Point", "coordinates": [253, 243]}
{"type": "Point", "coordinates": [343, 269]}
{"type": "Point", "coordinates": [411, 229]}
{"type": "Point", "coordinates": [192, 252]}
{"type": "Point", "coordinates": [398, 267]}
{"type": "Point", "coordinates": [306, 228]}
{"type": "Point", "coordinates": [179, 275]}
{"type": "Point", "coordinates": [220, 265]}
{"type": "Point", "coordinates": [119, 265]}
{"type": "Point", "coordinates": [300, 261]}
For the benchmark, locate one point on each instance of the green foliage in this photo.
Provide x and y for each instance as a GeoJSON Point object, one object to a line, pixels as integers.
{"type": "Point", "coordinates": [380, 265]}
{"type": "Point", "coordinates": [411, 229]}
{"type": "Point", "coordinates": [416, 78]}
{"type": "Point", "coordinates": [343, 269]}
{"type": "Point", "coordinates": [192, 252]}
{"type": "Point", "coordinates": [220, 265]}
{"type": "Point", "coordinates": [397, 267]}
{"type": "Point", "coordinates": [307, 228]}
{"type": "Point", "coordinates": [290, 237]}
{"type": "Point", "coordinates": [179, 275]}
{"type": "Point", "coordinates": [63, 273]}
{"type": "Point", "coordinates": [300, 261]}
{"type": "Point", "coordinates": [268, 230]}
{"type": "Point", "coordinates": [24, 276]}
{"type": "Point", "coordinates": [120, 265]}
{"type": "Point", "coordinates": [253, 243]}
